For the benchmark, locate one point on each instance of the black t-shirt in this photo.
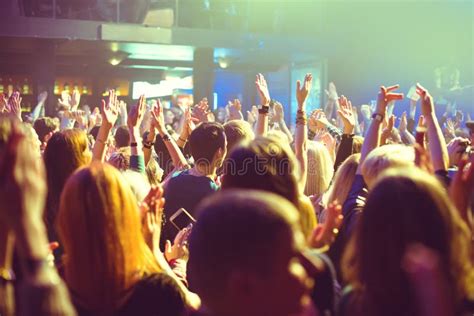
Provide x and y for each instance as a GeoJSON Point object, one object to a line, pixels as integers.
{"type": "Point", "coordinates": [184, 191]}
{"type": "Point", "coordinates": [154, 295]}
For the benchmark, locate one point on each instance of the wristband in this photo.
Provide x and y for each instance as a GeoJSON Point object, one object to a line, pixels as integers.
{"type": "Point", "coordinates": [148, 144]}
{"type": "Point", "coordinates": [166, 138]}
{"type": "Point", "coordinates": [134, 144]}
{"type": "Point", "coordinates": [264, 109]}
{"type": "Point", "coordinates": [378, 117]}
{"type": "Point", "coordinates": [182, 139]}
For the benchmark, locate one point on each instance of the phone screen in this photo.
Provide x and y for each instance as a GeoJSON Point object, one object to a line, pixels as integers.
{"type": "Point", "coordinates": [181, 219]}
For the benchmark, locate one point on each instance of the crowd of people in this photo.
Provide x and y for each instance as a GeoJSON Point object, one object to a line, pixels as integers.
{"type": "Point", "coordinates": [147, 210]}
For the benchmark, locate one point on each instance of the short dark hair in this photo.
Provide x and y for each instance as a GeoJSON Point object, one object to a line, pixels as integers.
{"type": "Point", "coordinates": [122, 137]}
{"type": "Point", "coordinates": [236, 229]}
{"type": "Point", "coordinates": [45, 125]}
{"type": "Point", "coordinates": [94, 131]}
{"type": "Point", "coordinates": [205, 140]}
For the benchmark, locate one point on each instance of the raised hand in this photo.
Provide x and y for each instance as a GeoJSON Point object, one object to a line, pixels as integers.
{"type": "Point", "coordinates": [179, 249]}
{"type": "Point", "coordinates": [252, 115]}
{"type": "Point", "coordinates": [402, 127]}
{"type": "Point", "coordinates": [450, 130]}
{"type": "Point", "coordinates": [234, 110]}
{"type": "Point", "coordinates": [75, 99]}
{"type": "Point", "coordinates": [262, 89]}
{"type": "Point", "coordinates": [318, 120]}
{"type": "Point", "coordinates": [324, 234]}
{"type": "Point", "coordinates": [278, 113]}
{"type": "Point", "coordinates": [109, 110]}
{"type": "Point", "coordinates": [331, 92]}
{"type": "Point", "coordinates": [201, 111]}
{"type": "Point", "coordinates": [4, 108]}
{"type": "Point", "coordinates": [15, 104]}
{"type": "Point", "coordinates": [137, 111]}
{"type": "Point", "coordinates": [152, 214]}
{"type": "Point", "coordinates": [189, 122]}
{"type": "Point", "coordinates": [456, 148]}
{"type": "Point", "coordinates": [366, 111]}
{"type": "Point", "coordinates": [386, 96]}
{"type": "Point", "coordinates": [302, 90]}
{"type": "Point", "coordinates": [387, 131]}
{"type": "Point", "coordinates": [346, 114]}
{"type": "Point", "coordinates": [158, 118]}
{"type": "Point", "coordinates": [427, 104]}
{"type": "Point", "coordinates": [42, 97]}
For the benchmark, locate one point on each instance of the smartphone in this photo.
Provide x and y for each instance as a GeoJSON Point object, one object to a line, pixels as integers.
{"type": "Point", "coordinates": [181, 219]}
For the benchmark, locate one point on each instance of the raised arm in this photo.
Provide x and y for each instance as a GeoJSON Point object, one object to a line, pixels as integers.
{"type": "Point", "coordinates": [109, 113]}
{"type": "Point", "coordinates": [372, 138]}
{"type": "Point", "coordinates": [437, 144]}
{"type": "Point", "coordinates": [301, 132]}
{"type": "Point", "coordinates": [279, 117]}
{"type": "Point", "coordinates": [135, 118]}
{"type": "Point", "coordinates": [177, 156]}
{"type": "Point", "coordinates": [262, 119]}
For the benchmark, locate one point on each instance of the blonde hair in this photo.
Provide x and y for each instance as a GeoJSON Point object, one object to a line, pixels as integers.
{"type": "Point", "coordinates": [100, 228]}
{"type": "Point", "coordinates": [320, 169]}
{"type": "Point", "coordinates": [237, 131]}
{"type": "Point", "coordinates": [384, 157]}
{"type": "Point", "coordinates": [343, 179]}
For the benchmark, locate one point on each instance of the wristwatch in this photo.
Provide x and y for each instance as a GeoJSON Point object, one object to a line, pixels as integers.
{"type": "Point", "coordinates": [378, 117]}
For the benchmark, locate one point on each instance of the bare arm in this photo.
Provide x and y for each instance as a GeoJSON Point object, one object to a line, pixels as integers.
{"type": "Point", "coordinates": [109, 113]}
{"type": "Point", "coordinates": [177, 156]}
{"type": "Point", "coordinates": [372, 138]}
{"type": "Point", "coordinates": [301, 132]}
{"type": "Point", "coordinates": [437, 143]}
{"type": "Point", "coordinates": [261, 127]}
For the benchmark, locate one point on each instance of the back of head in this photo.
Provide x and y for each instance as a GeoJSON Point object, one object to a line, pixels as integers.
{"type": "Point", "coordinates": [66, 151]}
{"type": "Point", "coordinates": [236, 231]}
{"type": "Point", "coordinates": [343, 179]}
{"type": "Point", "coordinates": [263, 164]}
{"type": "Point", "coordinates": [385, 157]}
{"type": "Point", "coordinates": [100, 229]}
{"type": "Point", "coordinates": [205, 141]}
{"type": "Point", "coordinates": [406, 207]}
{"type": "Point", "coordinates": [44, 126]}
{"type": "Point", "coordinates": [236, 132]}
{"type": "Point", "coordinates": [122, 137]}
{"type": "Point", "coordinates": [320, 169]}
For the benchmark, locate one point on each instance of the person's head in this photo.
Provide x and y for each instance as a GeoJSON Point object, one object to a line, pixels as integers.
{"type": "Point", "coordinates": [168, 116]}
{"type": "Point", "coordinates": [100, 228]}
{"type": "Point", "coordinates": [94, 131]}
{"type": "Point", "coordinates": [269, 165]}
{"type": "Point", "coordinates": [406, 206]}
{"type": "Point", "coordinates": [320, 169]}
{"type": "Point", "coordinates": [357, 144]}
{"type": "Point", "coordinates": [384, 157]}
{"type": "Point", "coordinates": [243, 255]}
{"type": "Point", "coordinates": [153, 171]}
{"type": "Point", "coordinates": [45, 127]}
{"type": "Point", "coordinates": [221, 115]}
{"type": "Point", "coordinates": [236, 132]}
{"type": "Point", "coordinates": [122, 137]}
{"type": "Point", "coordinates": [343, 179]}
{"type": "Point", "coordinates": [208, 144]}
{"type": "Point", "coordinates": [66, 151]}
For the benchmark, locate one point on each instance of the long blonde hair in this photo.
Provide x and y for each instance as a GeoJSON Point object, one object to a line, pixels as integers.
{"type": "Point", "coordinates": [320, 169]}
{"type": "Point", "coordinates": [100, 228]}
{"type": "Point", "coordinates": [342, 182]}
